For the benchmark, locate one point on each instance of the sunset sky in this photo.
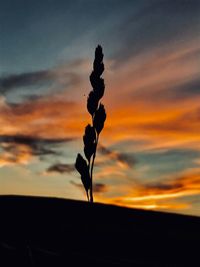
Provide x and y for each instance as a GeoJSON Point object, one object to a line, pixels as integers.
{"type": "Point", "coordinates": [149, 150]}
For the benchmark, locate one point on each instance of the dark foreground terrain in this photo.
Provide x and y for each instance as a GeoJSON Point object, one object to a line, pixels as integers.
{"type": "Point", "coordinates": [56, 232]}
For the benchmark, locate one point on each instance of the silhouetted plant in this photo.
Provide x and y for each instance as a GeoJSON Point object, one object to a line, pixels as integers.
{"type": "Point", "coordinates": [91, 136]}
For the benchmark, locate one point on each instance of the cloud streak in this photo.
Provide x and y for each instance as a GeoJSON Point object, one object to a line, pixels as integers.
{"type": "Point", "coordinates": [123, 159]}
{"type": "Point", "coordinates": [42, 82]}
{"type": "Point", "coordinates": [156, 23]}
{"type": "Point", "coordinates": [61, 168]}
{"type": "Point", "coordinates": [14, 81]}
{"type": "Point", "coordinates": [168, 195]}
{"type": "Point", "coordinates": [20, 149]}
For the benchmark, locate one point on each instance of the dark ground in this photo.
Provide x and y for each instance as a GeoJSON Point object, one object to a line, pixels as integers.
{"type": "Point", "coordinates": [56, 232]}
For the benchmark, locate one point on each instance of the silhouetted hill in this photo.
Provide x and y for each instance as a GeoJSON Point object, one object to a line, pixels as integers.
{"type": "Point", "coordinates": [56, 232]}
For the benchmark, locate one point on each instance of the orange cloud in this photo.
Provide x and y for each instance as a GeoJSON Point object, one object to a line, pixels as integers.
{"type": "Point", "coordinates": [131, 104]}
{"type": "Point", "coordinates": [46, 117]}
{"type": "Point", "coordinates": [163, 196]}
{"type": "Point", "coordinates": [20, 154]}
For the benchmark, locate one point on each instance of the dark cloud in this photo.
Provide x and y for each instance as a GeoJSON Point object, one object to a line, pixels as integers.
{"type": "Point", "coordinates": [61, 76]}
{"type": "Point", "coordinates": [36, 149]}
{"type": "Point", "coordinates": [31, 140]}
{"type": "Point", "coordinates": [182, 183]}
{"type": "Point", "coordinates": [97, 187]}
{"type": "Point", "coordinates": [124, 158]}
{"type": "Point", "coordinates": [174, 92]}
{"type": "Point", "coordinates": [104, 150]}
{"type": "Point", "coordinates": [164, 186]}
{"type": "Point", "coordinates": [187, 89]}
{"type": "Point", "coordinates": [37, 146]}
{"type": "Point", "coordinates": [24, 79]}
{"type": "Point", "coordinates": [61, 168]}
{"type": "Point", "coordinates": [29, 98]}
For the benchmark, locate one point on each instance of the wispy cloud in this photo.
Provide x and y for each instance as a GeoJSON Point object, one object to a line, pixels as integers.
{"type": "Point", "coordinates": [12, 82]}
{"type": "Point", "coordinates": [61, 168]}
{"type": "Point", "coordinates": [39, 117]}
{"type": "Point", "coordinates": [168, 195]}
{"type": "Point", "coordinates": [153, 24]}
{"type": "Point", "coordinates": [99, 188]}
{"type": "Point", "coordinates": [123, 159]}
{"type": "Point", "coordinates": [21, 149]}
{"type": "Point", "coordinates": [35, 84]}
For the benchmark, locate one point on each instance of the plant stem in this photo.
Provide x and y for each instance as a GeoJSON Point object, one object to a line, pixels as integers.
{"type": "Point", "coordinates": [89, 173]}
{"type": "Point", "coordinates": [94, 155]}
{"type": "Point", "coordinates": [87, 196]}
